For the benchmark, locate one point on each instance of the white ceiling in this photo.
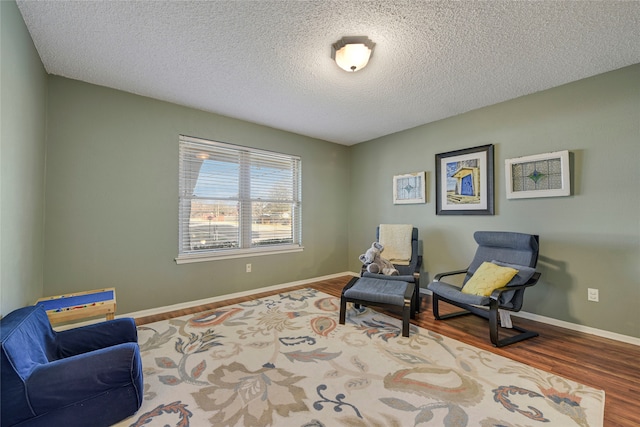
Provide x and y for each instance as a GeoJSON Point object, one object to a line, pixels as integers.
{"type": "Point", "coordinates": [268, 62]}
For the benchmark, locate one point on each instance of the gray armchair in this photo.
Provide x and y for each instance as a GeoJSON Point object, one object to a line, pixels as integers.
{"type": "Point", "coordinates": [505, 249]}
{"type": "Point", "coordinates": [408, 273]}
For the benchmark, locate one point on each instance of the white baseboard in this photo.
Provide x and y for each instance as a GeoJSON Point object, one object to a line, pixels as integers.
{"type": "Point", "coordinates": [189, 304]}
{"type": "Point", "coordinates": [568, 325]}
{"type": "Point", "coordinates": [580, 328]}
{"type": "Point", "coordinates": [523, 314]}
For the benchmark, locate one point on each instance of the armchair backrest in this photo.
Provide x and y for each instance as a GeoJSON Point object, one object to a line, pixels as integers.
{"type": "Point", "coordinates": [508, 247]}
{"type": "Point", "coordinates": [27, 332]}
{"type": "Point", "coordinates": [513, 248]}
{"type": "Point", "coordinates": [413, 262]}
{"type": "Point", "coordinates": [27, 341]}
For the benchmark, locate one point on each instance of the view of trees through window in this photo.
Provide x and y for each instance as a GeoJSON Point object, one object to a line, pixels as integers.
{"type": "Point", "coordinates": [217, 225]}
{"type": "Point", "coordinates": [238, 199]}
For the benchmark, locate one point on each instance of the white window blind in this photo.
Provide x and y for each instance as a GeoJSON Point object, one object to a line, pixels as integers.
{"type": "Point", "coordinates": [236, 201]}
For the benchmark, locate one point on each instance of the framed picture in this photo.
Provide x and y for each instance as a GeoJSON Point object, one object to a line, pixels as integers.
{"type": "Point", "coordinates": [540, 175]}
{"type": "Point", "coordinates": [464, 181]}
{"type": "Point", "coordinates": [409, 188]}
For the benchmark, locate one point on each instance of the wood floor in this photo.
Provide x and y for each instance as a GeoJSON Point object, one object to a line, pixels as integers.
{"type": "Point", "coordinates": [602, 363]}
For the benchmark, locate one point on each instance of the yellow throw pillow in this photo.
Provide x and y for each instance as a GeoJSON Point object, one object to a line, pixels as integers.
{"type": "Point", "coordinates": [487, 278]}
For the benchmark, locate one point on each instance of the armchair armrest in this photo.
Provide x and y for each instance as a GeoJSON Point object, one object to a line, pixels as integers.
{"type": "Point", "coordinates": [78, 378]}
{"type": "Point", "coordinates": [97, 336]}
{"type": "Point", "coordinates": [438, 276]}
{"type": "Point", "coordinates": [416, 270]}
{"type": "Point", "coordinates": [505, 302]}
{"type": "Point", "coordinates": [363, 270]}
{"type": "Point", "coordinates": [495, 295]}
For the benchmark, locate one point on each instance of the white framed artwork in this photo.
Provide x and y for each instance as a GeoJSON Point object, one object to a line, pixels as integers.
{"type": "Point", "coordinates": [540, 175]}
{"type": "Point", "coordinates": [409, 188]}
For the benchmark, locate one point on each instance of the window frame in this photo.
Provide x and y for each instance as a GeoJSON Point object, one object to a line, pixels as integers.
{"type": "Point", "coordinates": [187, 146]}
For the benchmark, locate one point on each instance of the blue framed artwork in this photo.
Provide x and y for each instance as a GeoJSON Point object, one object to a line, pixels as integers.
{"type": "Point", "coordinates": [464, 182]}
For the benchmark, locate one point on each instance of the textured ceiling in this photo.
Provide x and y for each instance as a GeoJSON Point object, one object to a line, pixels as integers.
{"type": "Point", "coordinates": [268, 62]}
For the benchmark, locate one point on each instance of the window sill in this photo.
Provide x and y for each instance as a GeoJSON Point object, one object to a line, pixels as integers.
{"type": "Point", "coordinates": [238, 253]}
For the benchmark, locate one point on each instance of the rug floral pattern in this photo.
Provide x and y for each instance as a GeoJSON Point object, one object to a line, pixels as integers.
{"type": "Point", "coordinates": [285, 361]}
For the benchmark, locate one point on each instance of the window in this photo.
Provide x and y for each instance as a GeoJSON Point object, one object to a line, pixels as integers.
{"type": "Point", "coordinates": [236, 201]}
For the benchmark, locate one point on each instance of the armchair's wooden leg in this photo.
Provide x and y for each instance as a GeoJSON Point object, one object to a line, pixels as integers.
{"type": "Point", "coordinates": [406, 313]}
{"type": "Point", "coordinates": [416, 282]}
{"type": "Point", "coordinates": [343, 310]}
{"type": "Point", "coordinates": [434, 305]}
{"type": "Point", "coordinates": [435, 299]}
{"type": "Point", "coordinates": [493, 326]}
{"type": "Point", "coordinates": [494, 330]}
{"type": "Point", "coordinates": [493, 317]}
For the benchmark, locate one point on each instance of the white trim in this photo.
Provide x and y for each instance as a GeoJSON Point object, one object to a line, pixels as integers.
{"type": "Point", "coordinates": [201, 142]}
{"type": "Point", "coordinates": [227, 173]}
{"type": "Point", "coordinates": [189, 304]}
{"type": "Point", "coordinates": [579, 328]}
{"type": "Point", "coordinates": [567, 325]}
{"type": "Point", "coordinates": [240, 253]}
{"type": "Point", "coordinates": [535, 317]}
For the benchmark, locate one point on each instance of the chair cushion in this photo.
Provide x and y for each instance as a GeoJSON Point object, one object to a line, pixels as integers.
{"type": "Point", "coordinates": [401, 278]}
{"type": "Point", "coordinates": [487, 278]}
{"type": "Point", "coordinates": [453, 293]}
{"type": "Point", "coordinates": [378, 291]}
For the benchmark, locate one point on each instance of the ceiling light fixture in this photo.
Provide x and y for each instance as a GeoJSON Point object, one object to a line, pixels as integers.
{"type": "Point", "coordinates": [352, 53]}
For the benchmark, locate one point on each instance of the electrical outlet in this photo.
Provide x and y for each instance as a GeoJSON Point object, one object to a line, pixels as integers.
{"type": "Point", "coordinates": [248, 268]}
{"type": "Point", "coordinates": [593, 295]}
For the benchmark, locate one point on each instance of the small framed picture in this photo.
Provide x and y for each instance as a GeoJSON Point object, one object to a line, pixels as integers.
{"type": "Point", "coordinates": [409, 188]}
{"type": "Point", "coordinates": [540, 175]}
{"type": "Point", "coordinates": [464, 181]}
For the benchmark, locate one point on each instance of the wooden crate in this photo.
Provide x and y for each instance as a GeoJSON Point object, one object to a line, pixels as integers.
{"type": "Point", "coordinates": [80, 305]}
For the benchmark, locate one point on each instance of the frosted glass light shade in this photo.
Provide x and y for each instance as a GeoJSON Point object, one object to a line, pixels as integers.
{"type": "Point", "coordinates": [352, 53]}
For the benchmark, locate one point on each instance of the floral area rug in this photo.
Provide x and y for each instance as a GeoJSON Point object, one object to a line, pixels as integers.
{"type": "Point", "coordinates": [285, 361]}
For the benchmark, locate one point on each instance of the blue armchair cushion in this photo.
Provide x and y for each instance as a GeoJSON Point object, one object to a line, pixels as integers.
{"type": "Point", "coordinates": [377, 290]}
{"type": "Point", "coordinates": [400, 278]}
{"type": "Point", "coordinates": [66, 378]}
{"type": "Point", "coordinates": [454, 293]}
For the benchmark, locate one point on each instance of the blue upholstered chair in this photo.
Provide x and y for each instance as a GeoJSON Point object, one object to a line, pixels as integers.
{"type": "Point", "coordinates": [87, 376]}
{"type": "Point", "coordinates": [504, 249]}
{"type": "Point", "coordinates": [408, 273]}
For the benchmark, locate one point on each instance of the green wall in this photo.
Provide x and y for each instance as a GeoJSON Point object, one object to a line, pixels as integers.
{"type": "Point", "coordinates": [22, 163]}
{"type": "Point", "coordinates": [588, 240]}
{"type": "Point", "coordinates": [111, 193]}
{"type": "Point", "coordinates": [112, 200]}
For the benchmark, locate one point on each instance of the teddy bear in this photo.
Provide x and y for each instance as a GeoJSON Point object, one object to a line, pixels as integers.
{"type": "Point", "coordinates": [374, 262]}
